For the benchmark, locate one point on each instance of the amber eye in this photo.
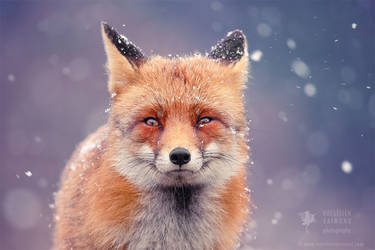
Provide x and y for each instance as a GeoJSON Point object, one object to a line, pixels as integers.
{"type": "Point", "coordinates": [203, 121]}
{"type": "Point", "coordinates": [152, 122]}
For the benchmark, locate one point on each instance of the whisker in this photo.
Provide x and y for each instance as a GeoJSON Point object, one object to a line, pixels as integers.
{"type": "Point", "coordinates": [220, 156]}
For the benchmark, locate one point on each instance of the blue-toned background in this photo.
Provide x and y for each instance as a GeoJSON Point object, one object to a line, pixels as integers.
{"type": "Point", "coordinates": [310, 102]}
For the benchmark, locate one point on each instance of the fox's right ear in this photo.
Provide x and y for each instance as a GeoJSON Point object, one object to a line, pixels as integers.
{"type": "Point", "coordinates": [123, 58]}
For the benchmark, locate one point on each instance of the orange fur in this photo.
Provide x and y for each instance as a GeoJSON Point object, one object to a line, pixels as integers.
{"type": "Point", "coordinates": [96, 204]}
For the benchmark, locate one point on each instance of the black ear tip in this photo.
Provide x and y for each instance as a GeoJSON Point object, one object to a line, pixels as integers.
{"type": "Point", "coordinates": [231, 48]}
{"type": "Point", "coordinates": [236, 35]}
{"type": "Point", "coordinates": [109, 30]}
{"type": "Point", "coordinates": [123, 45]}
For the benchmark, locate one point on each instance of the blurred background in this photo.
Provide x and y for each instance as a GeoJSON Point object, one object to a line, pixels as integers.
{"type": "Point", "coordinates": [310, 102]}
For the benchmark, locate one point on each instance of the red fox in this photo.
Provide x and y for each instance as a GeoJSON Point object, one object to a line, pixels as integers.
{"type": "Point", "coordinates": [167, 171]}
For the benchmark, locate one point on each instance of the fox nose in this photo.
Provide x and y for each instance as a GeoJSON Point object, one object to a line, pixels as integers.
{"type": "Point", "coordinates": [179, 156]}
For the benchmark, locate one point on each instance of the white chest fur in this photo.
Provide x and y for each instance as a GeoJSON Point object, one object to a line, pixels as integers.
{"type": "Point", "coordinates": [179, 218]}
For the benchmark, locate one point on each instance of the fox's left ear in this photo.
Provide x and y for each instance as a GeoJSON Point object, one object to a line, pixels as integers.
{"type": "Point", "coordinates": [123, 58]}
{"type": "Point", "coordinates": [232, 51]}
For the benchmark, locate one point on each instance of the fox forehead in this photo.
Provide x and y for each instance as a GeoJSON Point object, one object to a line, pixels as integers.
{"type": "Point", "coordinates": [188, 73]}
{"type": "Point", "coordinates": [182, 85]}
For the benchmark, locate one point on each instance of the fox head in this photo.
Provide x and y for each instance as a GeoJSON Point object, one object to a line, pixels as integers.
{"type": "Point", "coordinates": [177, 121]}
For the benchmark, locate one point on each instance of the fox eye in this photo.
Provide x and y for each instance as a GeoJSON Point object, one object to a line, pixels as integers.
{"type": "Point", "coordinates": [152, 122]}
{"type": "Point", "coordinates": [203, 121]}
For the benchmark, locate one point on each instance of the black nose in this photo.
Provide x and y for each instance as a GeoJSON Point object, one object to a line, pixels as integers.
{"type": "Point", "coordinates": [179, 156]}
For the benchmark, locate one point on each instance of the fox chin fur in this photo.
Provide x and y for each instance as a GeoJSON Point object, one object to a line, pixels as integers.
{"type": "Point", "coordinates": [120, 189]}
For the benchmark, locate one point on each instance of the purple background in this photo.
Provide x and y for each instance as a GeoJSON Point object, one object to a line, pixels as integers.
{"type": "Point", "coordinates": [310, 102]}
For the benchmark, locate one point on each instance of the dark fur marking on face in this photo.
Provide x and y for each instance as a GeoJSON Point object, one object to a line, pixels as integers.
{"type": "Point", "coordinates": [229, 49]}
{"type": "Point", "coordinates": [132, 53]}
{"type": "Point", "coordinates": [184, 197]}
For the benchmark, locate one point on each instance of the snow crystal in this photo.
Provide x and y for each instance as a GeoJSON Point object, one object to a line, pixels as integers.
{"type": "Point", "coordinates": [256, 55]}
{"type": "Point", "coordinates": [354, 26]}
{"type": "Point", "coordinates": [274, 221]}
{"type": "Point", "coordinates": [282, 116]}
{"type": "Point", "coordinates": [368, 87]}
{"type": "Point", "coordinates": [87, 147]}
{"type": "Point", "coordinates": [269, 181]}
{"type": "Point", "coordinates": [124, 38]}
{"type": "Point", "coordinates": [247, 190]}
{"type": "Point", "coordinates": [73, 167]}
{"type": "Point", "coordinates": [336, 40]}
{"type": "Point", "coordinates": [11, 78]}
{"type": "Point", "coordinates": [300, 68]}
{"type": "Point", "coordinates": [309, 89]}
{"type": "Point", "coordinates": [291, 43]}
{"type": "Point", "coordinates": [107, 110]}
{"type": "Point", "coordinates": [334, 108]}
{"type": "Point", "coordinates": [113, 95]}
{"type": "Point", "coordinates": [346, 167]}
{"type": "Point", "coordinates": [264, 30]}
{"type": "Point", "coordinates": [17, 176]}
{"type": "Point", "coordinates": [28, 173]}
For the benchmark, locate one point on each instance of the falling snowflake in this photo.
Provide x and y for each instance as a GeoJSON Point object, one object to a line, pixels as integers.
{"type": "Point", "coordinates": [256, 55]}
{"type": "Point", "coordinates": [346, 167]}
{"type": "Point", "coordinates": [11, 78]}
{"type": "Point", "coordinates": [291, 43]}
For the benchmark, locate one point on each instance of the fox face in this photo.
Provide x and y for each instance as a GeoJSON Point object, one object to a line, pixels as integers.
{"type": "Point", "coordinates": [177, 121]}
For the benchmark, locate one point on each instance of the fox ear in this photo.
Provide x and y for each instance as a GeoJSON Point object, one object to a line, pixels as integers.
{"type": "Point", "coordinates": [232, 50]}
{"type": "Point", "coordinates": [123, 57]}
